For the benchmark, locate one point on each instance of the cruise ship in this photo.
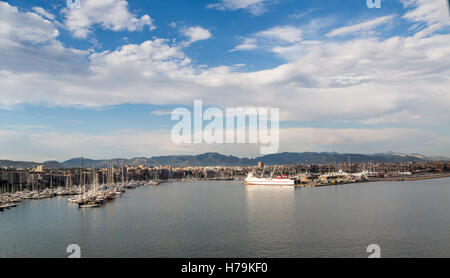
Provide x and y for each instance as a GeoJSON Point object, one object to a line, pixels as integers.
{"type": "Point", "coordinates": [279, 180]}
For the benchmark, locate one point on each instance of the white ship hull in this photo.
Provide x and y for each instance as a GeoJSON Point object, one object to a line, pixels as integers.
{"type": "Point", "coordinates": [251, 180]}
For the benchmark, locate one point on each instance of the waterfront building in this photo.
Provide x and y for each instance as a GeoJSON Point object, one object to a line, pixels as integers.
{"type": "Point", "coordinates": [39, 168]}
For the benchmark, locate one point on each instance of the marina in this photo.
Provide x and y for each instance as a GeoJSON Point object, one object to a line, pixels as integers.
{"type": "Point", "coordinates": [84, 196]}
{"type": "Point", "coordinates": [229, 219]}
{"type": "Point", "coordinates": [92, 188]}
{"type": "Point", "coordinates": [91, 195]}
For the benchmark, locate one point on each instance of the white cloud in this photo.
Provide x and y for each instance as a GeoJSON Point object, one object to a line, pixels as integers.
{"type": "Point", "coordinates": [268, 38]}
{"type": "Point", "coordinates": [355, 80]}
{"type": "Point", "coordinates": [434, 13]}
{"type": "Point", "coordinates": [256, 7]}
{"type": "Point", "coordinates": [301, 14]}
{"type": "Point", "coordinates": [351, 80]}
{"type": "Point", "coordinates": [429, 11]}
{"type": "Point", "coordinates": [294, 51]}
{"type": "Point", "coordinates": [289, 34]}
{"type": "Point", "coordinates": [30, 28]}
{"type": "Point", "coordinates": [247, 44]}
{"type": "Point", "coordinates": [363, 26]}
{"type": "Point", "coordinates": [109, 14]}
{"type": "Point", "coordinates": [26, 145]}
{"type": "Point", "coordinates": [27, 42]}
{"type": "Point", "coordinates": [196, 33]}
{"type": "Point", "coordinates": [357, 140]}
{"type": "Point", "coordinates": [44, 13]}
{"type": "Point", "coordinates": [396, 117]}
{"type": "Point", "coordinates": [161, 112]}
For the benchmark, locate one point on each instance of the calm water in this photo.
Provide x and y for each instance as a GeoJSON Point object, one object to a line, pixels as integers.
{"type": "Point", "coordinates": [227, 219]}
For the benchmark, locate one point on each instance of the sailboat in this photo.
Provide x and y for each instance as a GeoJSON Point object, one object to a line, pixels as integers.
{"type": "Point", "coordinates": [86, 201]}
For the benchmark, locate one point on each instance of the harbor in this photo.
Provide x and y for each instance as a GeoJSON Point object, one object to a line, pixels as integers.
{"type": "Point", "coordinates": [90, 196]}
{"type": "Point", "coordinates": [205, 218]}
{"type": "Point", "coordinates": [91, 188]}
{"type": "Point", "coordinates": [85, 195]}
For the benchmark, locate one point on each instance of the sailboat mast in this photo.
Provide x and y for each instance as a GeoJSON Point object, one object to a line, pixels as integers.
{"type": "Point", "coordinates": [273, 172]}
{"type": "Point", "coordinates": [122, 171]}
{"type": "Point", "coordinates": [349, 164]}
{"type": "Point", "coordinates": [81, 175]}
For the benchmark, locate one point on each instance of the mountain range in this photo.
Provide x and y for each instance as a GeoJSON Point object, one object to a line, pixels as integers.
{"type": "Point", "coordinates": [216, 159]}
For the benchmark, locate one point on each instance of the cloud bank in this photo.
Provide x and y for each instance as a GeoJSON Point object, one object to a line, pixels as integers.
{"type": "Point", "coordinates": [369, 80]}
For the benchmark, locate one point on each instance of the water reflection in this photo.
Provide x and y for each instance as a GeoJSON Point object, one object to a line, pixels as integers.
{"type": "Point", "coordinates": [270, 213]}
{"type": "Point", "coordinates": [227, 219]}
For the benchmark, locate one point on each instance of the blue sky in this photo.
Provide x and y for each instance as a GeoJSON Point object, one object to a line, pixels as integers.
{"type": "Point", "coordinates": [102, 79]}
{"type": "Point", "coordinates": [227, 27]}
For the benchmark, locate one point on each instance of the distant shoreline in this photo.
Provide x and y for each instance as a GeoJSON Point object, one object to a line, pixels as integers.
{"type": "Point", "coordinates": [414, 178]}
{"type": "Point", "coordinates": [314, 184]}
{"type": "Point", "coordinates": [399, 178]}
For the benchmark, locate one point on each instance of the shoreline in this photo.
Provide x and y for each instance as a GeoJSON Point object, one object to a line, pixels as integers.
{"type": "Point", "coordinates": [401, 178]}
{"type": "Point", "coordinates": [412, 178]}
{"type": "Point", "coordinates": [314, 184]}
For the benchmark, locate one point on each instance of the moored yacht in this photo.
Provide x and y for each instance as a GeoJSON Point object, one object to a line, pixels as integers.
{"type": "Point", "coordinates": [279, 180]}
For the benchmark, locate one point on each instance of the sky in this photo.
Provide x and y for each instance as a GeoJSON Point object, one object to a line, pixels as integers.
{"type": "Point", "coordinates": [102, 79]}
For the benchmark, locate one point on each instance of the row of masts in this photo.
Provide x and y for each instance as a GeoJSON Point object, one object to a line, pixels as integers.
{"type": "Point", "coordinates": [85, 194]}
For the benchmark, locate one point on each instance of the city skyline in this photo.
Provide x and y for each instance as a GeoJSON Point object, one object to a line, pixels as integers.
{"type": "Point", "coordinates": [103, 79]}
